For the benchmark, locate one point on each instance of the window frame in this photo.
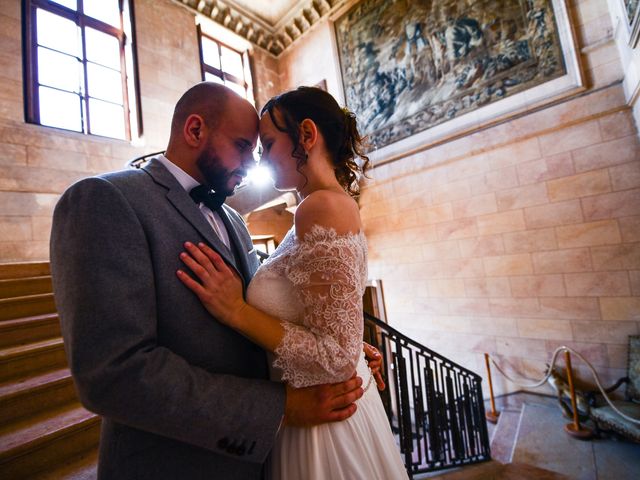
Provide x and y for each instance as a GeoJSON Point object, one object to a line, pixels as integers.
{"type": "Point", "coordinates": [30, 63]}
{"type": "Point", "coordinates": [220, 73]}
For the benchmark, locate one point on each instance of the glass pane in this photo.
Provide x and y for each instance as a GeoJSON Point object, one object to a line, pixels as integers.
{"type": "Point", "coordinates": [59, 70]}
{"type": "Point", "coordinates": [72, 4]}
{"type": "Point", "coordinates": [58, 33]}
{"type": "Point", "coordinates": [104, 83]}
{"type": "Point", "coordinates": [210, 77]}
{"type": "Point", "coordinates": [102, 48]}
{"type": "Point", "coordinates": [247, 78]}
{"type": "Point", "coordinates": [247, 70]}
{"type": "Point", "coordinates": [60, 109]}
{"type": "Point", "coordinates": [107, 119]}
{"type": "Point", "coordinates": [105, 10]}
{"type": "Point", "coordinates": [210, 54]}
{"type": "Point", "coordinates": [232, 63]}
{"type": "Point", "coordinates": [239, 89]}
{"type": "Point", "coordinates": [252, 100]}
{"type": "Point", "coordinates": [126, 20]}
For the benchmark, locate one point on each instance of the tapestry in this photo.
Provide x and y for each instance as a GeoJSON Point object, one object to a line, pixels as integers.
{"type": "Point", "coordinates": [408, 65]}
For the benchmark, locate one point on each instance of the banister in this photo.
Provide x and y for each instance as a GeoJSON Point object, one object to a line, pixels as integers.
{"type": "Point", "coordinates": [434, 405]}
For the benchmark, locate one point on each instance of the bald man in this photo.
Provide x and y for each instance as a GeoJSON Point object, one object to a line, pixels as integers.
{"type": "Point", "coordinates": [181, 395]}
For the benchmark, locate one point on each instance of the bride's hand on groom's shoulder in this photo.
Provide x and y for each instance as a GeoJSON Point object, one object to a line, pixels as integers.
{"type": "Point", "coordinates": [319, 404]}
{"type": "Point", "coordinates": [219, 288]}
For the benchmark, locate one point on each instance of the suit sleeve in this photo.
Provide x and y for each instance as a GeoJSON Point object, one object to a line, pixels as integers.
{"type": "Point", "coordinates": [104, 288]}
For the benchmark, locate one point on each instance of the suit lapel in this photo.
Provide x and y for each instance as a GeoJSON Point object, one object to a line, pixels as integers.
{"type": "Point", "coordinates": [183, 203]}
{"type": "Point", "coordinates": [235, 243]}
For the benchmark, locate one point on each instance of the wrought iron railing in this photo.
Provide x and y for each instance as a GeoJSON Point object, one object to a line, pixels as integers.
{"type": "Point", "coordinates": [435, 406]}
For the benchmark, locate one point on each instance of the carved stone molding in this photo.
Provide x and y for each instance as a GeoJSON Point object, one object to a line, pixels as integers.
{"type": "Point", "coordinates": [272, 38]}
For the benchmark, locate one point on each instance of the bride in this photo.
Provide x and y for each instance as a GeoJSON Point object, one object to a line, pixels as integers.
{"type": "Point", "coordinates": [304, 305]}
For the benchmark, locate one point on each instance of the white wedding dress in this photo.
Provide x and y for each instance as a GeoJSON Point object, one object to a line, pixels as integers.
{"type": "Point", "coordinates": [315, 286]}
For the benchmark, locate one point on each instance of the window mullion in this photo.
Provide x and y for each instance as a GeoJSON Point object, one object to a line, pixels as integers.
{"type": "Point", "coordinates": [234, 79]}
{"type": "Point", "coordinates": [213, 71]}
{"type": "Point", "coordinates": [103, 27]}
{"type": "Point", "coordinates": [84, 96]}
{"type": "Point", "coordinates": [59, 10]}
{"type": "Point", "coordinates": [121, 9]}
{"type": "Point", "coordinates": [31, 65]}
{"type": "Point", "coordinates": [203, 66]}
{"type": "Point", "coordinates": [123, 77]}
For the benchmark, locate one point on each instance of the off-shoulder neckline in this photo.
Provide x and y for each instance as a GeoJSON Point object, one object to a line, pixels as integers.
{"type": "Point", "coordinates": [319, 233]}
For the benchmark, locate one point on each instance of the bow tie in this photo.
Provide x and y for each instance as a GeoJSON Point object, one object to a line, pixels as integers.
{"type": "Point", "coordinates": [203, 194]}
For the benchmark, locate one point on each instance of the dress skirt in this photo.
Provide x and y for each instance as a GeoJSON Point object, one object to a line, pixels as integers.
{"type": "Point", "coordinates": [361, 447]}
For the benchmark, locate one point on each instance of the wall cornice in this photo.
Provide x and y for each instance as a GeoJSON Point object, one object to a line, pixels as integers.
{"type": "Point", "coordinates": [274, 39]}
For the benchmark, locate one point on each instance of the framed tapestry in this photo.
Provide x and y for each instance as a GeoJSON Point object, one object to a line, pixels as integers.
{"type": "Point", "coordinates": [418, 71]}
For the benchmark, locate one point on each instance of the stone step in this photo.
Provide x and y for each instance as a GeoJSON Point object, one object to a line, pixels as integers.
{"type": "Point", "coordinates": [27, 306]}
{"type": "Point", "coordinates": [24, 269]}
{"type": "Point", "coordinates": [29, 329]}
{"type": "Point", "coordinates": [46, 441]}
{"type": "Point", "coordinates": [504, 436]}
{"type": "Point", "coordinates": [20, 287]}
{"type": "Point", "coordinates": [84, 467]}
{"type": "Point", "coordinates": [24, 360]}
{"type": "Point", "coordinates": [33, 395]}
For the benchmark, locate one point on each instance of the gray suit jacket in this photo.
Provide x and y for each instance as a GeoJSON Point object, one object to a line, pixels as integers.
{"type": "Point", "coordinates": [181, 395]}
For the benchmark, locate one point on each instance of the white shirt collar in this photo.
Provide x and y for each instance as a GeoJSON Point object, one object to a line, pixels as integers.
{"type": "Point", "coordinates": [188, 182]}
{"type": "Point", "coordinates": [184, 179]}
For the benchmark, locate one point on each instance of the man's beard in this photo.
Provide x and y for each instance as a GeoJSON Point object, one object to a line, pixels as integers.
{"type": "Point", "coordinates": [215, 175]}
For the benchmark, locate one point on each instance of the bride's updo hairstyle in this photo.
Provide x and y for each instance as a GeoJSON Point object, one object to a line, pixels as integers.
{"type": "Point", "coordinates": [337, 125]}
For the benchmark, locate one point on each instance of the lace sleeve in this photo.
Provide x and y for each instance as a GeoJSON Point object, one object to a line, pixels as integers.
{"type": "Point", "coordinates": [328, 272]}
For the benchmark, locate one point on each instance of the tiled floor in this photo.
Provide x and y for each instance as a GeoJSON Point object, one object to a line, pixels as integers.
{"type": "Point", "coordinates": [541, 441]}
{"type": "Point", "coordinates": [535, 439]}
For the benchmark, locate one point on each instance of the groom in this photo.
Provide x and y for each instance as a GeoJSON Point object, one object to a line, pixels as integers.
{"type": "Point", "coordinates": [181, 395]}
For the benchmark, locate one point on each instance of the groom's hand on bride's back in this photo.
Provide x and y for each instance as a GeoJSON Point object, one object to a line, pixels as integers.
{"type": "Point", "coordinates": [322, 403]}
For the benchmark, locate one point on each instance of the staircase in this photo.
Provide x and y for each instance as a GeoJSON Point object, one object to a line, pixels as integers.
{"type": "Point", "coordinates": [44, 431]}
{"type": "Point", "coordinates": [45, 434]}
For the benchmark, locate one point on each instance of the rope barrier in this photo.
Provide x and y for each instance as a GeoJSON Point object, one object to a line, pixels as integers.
{"type": "Point", "coordinates": [548, 374]}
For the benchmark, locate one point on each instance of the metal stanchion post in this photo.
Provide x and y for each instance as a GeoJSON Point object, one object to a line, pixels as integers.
{"type": "Point", "coordinates": [574, 429]}
{"type": "Point", "coordinates": [493, 415]}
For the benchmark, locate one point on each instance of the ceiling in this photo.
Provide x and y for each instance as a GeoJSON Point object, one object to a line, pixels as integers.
{"type": "Point", "coordinates": [272, 25]}
{"type": "Point", "coordinates": [270, 11]}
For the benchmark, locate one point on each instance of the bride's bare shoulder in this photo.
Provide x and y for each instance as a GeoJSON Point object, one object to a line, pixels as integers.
{"type": "Point", "coordinates": [329, 209]}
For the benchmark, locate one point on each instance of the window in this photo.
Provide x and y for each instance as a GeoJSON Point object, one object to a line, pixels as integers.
{"type": "Point", "coordinates": [79, 66]}
{"type": "Point", "coordinates": [223, 64]}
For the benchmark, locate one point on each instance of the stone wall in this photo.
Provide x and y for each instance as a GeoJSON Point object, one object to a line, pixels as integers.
{"type": "Point", "coordinates": [266, 76]}
{"type": "Point", "coordinates": [518, 238]}
{"type": "Point", "coordinates": [274, 221]}
{"type": "Point", "coordinates": [512, 240]}
{"type": "Point", "coordinates": [311, 60]}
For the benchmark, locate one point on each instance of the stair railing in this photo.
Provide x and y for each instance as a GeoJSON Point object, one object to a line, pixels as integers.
{"type": "Point", "coordinates": [435, 406]}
